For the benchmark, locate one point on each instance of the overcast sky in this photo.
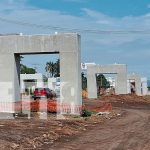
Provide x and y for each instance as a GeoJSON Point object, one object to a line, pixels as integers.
{"type": "Point", "coordinates": [128, 48]}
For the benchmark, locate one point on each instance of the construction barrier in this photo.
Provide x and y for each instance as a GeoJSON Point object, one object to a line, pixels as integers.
{"type": "Point", "coordinates": [47, 106]}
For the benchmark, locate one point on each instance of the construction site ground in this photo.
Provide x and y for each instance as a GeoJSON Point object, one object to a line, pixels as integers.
{"type": "Point", "coordinates": [127, 127]}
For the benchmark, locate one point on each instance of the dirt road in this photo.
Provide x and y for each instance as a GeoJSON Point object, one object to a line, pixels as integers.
{"type": "Point", "coordinates": [131, 131]}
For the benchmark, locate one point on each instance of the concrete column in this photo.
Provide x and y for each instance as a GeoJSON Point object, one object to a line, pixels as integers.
{"type": "Point", "coordinates": [144, 86]}
{"type": "Point", "coordinates": [138, 85]}
{"type": "Point", "coordinates": [70, 73]}
{"type": "Point", "coordinates": [91, 83]}
{"type": "Point", "coordinates": [40, 83]}
{"type": "Point", "coordinates": [121, 83]}
{"type": "Point", "coordinates": [9, 81]}
{"type": "Point", "coordinates": [128, 87]}
{"type": "Point", "coordinates": [22, 83]}
{"type": "Point", "coordinates": [51, 83]}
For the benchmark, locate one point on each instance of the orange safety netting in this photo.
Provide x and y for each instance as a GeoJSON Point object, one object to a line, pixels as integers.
{"type": "Point", "coordinates": [49, 106]}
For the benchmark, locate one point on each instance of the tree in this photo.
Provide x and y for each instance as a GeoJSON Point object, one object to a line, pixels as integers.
{"type": "Point", "coordinates": [57, 68]}
{"type": "Point", "coordinates": [53, 68]}
{"type": "Point", "coordinates": [26, 70]}
{"type": "Point", "coordinates": [102, 81]}
{"type": "Point", "coordinates": [50, 68]}
{"type": "Point", "coordinates": [84, 81]}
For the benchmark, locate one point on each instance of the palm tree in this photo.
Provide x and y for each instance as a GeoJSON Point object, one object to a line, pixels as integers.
{"type": "Point", "coordinates": [53, 69]}
{"type": "Point", "coordinates": [50, 68]}
{"type": "Point", "coordinates": [57, 68]}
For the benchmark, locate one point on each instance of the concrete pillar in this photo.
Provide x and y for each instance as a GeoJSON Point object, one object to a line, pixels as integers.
{"type": "Point", "coordinates": [9, 81]}
{"type": "Point", "coordinates": [144, 86]}
{"type": "Point", "coordinates": [91, 83]}
{"type": "Point", "coordinates": [51, 83]}
{"type": "Point", "coordinates": [121, 83]}
{"type": "Point", "coordinates": [70, 73]}
{"type": "Point", "coordinates": [40, 83]}
{"type": "Point", "coordinates": [128, 87]}
{"type": "Point", "coordinates": [22, 83]}
{"type": "Point", "coordinates": [138, 86]}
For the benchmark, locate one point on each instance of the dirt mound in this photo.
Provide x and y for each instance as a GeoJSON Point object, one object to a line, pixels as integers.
{"type": "Point", "coordinates": [126, 98]}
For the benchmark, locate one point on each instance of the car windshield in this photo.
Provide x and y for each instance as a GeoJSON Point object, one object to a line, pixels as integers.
{"type": "Point", "coordinates": [39, 89]}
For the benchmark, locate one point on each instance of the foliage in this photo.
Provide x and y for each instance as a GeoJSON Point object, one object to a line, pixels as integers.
{"type": "Point", "coordinates": [86, 113]}
{"type": "Point", "coordinates": [102, 81]}
{"type": "Point", "coordinates": [45, 79]}
{"type": "Point", "coordinates": [57, 68]}
{"type": "Point", "coordinates": [53, 68]}
{"type": "Point", "coordinates": [84, 81]}
{"type": "Point", "coordinates": [26, 70]}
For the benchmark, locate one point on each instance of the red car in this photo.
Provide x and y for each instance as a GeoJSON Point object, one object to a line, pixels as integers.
{"type": "Point", "coordinates": [43, 93]}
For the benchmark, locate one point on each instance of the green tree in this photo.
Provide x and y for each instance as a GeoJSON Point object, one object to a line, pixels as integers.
{"type": "Point", "coordinates": [57, 68]}
{"type": "Point", "coordinates": [53, 68]}
{"type": "Point", "coordinates": [84, 81]}
{"type": "Point", "coordinates": [26, 70]}
{"type": "Point", "coordinates": [102, 81]}
{"type": "Point", "coordinates": [50, 68]}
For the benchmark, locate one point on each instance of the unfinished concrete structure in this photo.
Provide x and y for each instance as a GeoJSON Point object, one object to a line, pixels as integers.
{"type": "Point", "coordinates": [121, 77]}
{"type": "Point", "coordinates": [140, 84]}
{"type": "Point", "coordinates": [68, 47]}
{"type": "Point", "coordinates": [38, 77]}
{"type": "Point", "coordinates": [136, 80]}
{"type": "Point", "coordinates": [144, 86]}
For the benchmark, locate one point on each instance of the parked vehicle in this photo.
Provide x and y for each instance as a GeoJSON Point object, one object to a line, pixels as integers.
{"type": "Point", "coordinates": [43, 93]}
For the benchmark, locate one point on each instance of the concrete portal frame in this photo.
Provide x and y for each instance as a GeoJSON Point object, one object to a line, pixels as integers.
{"type": "Point", "coordinates": [66, 44]}
{"type": "Point", "coordinates": [121, 77]}
{"type": "Point", "coordinates": [37, 76]}
{"type": "Point", "coordinates": [137, 80]}
{"type": "Point", "coordinates": [140, 84]}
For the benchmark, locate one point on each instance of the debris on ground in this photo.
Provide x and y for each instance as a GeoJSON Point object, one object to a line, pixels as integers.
{"type": "Point", "coordinates": [34, 133]}
{"type": "Point", "coordinates": [23, 133]}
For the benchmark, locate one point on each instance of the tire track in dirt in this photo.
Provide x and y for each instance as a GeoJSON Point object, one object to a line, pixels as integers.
{"type": "Point", "coordinates": [131, 131]}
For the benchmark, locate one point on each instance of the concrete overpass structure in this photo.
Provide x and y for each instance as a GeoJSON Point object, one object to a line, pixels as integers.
{"type": "Point", "coordinates": [121, 77]}
{"type": "Point", "coordinates": [68, 47]}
